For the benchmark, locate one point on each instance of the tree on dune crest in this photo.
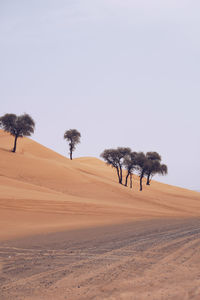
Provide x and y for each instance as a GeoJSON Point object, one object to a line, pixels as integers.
{"type": "Point", "coordinates": [18, 126]}
{"type": "Point", "coordinates": [73, 137]}
{"type": "Point", "coordinates": [115, 158]}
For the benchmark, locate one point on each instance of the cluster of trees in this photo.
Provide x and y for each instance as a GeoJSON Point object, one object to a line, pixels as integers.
{"type": "Point", "coordinates": [145, 165]}
{"type": "Point", "coordinates": [24, 125]}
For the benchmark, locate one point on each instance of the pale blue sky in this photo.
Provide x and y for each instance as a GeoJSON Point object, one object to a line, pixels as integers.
{"type": "Point", "coordinates": [124, 73]}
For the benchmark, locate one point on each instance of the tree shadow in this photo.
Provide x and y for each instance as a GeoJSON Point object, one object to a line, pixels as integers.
{"type": "Point", "coordinates": [6, 150]}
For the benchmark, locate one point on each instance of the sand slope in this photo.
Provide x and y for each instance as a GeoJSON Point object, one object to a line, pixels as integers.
{"type": "Point", "coordinates": [42, 191]}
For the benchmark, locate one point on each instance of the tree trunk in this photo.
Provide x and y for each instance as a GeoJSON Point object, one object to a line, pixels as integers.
{"type": "Point", "coordinates": [120, 169]}
{"type": "Point", "coordinates": [141, 177]}
{"type": "Point", "coordinates": [118, 174]}
{"type": "Point", "coordinates": [70, 150]}
{"type": "Point", "coordinates": [126, 181]}
{"type": "Point", "coordinates": [15, 144]}
{"type": "Point", "coordinates": [131, 181]}
{"type": "Point", "coordinates": [148, 178]}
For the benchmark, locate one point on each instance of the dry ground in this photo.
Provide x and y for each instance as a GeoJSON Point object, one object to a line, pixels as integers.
{"type": "Point", "coordinates": [155, 259]}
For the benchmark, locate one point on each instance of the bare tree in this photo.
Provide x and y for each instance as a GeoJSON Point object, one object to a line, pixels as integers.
{"type": "Point", "coordinates": [18, 126]}
{"type": "Point", "coordinates": [130, 163]}
{"type": "Point", "coordinates": [73, 137]}
{"type": "Point", "coordinates": [115, 158]}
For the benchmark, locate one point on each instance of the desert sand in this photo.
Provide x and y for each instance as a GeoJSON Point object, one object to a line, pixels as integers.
{"type": "Point", "coordinates": [70, 231]}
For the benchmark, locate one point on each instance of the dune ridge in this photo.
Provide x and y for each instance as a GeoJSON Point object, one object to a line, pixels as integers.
{"type": "Point", "coordinates": [42, 191]}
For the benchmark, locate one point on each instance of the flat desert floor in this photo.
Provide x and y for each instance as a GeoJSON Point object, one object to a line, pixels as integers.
{"type": "Point", "coordinates": [143, 260]}
{"type": "Point", "coordinates": [70, 231]}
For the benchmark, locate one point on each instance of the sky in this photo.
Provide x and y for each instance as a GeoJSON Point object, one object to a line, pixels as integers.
{"type": "Point", "coordinates": [123, 73]}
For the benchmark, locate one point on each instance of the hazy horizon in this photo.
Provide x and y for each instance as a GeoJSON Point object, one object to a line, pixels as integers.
{"type": "Point", "coordinates": [122, 73]}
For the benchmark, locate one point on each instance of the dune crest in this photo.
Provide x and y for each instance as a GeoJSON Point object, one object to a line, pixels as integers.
{"type": "Point", "coordinates": [42, 191]}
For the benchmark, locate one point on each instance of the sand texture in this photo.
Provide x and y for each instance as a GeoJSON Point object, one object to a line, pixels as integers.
{"type": "Point", "coordinates": [70, 231]}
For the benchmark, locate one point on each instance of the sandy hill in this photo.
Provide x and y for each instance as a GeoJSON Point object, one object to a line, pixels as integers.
{"type": "Point", "coordinates": [42, 191]}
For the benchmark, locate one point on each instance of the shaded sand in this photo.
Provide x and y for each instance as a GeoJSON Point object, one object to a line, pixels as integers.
{"type": "Point", "coordinates": [42, 191]}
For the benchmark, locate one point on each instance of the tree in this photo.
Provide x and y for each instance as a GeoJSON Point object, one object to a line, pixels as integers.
{"type": "Point", "coordinates": [142, 166]}
{"type": "Point", "coordinates": [115, 158]}
{"type": "Point", "coordinates": [111, 158]}
{"type": "Point", "coordinates": [122, 152]}
{"type": "Point", "coordinates": [130, 164]}
{"type": "Point", "coordinates": [153, 166]}
{"type": "Point", "coordinates": [18, 126]}
{"type": "Point", "coordinates": [73, 137]}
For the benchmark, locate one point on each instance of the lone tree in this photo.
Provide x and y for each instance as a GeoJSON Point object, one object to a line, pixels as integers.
{"type": "Point", "coordinates": [154, 160]}
{"type": "Point", "coordinates": [115, 158]}
{"type": "Point", "coordinates": [18, 126]}
{"type": "Point", "coordinates": [73, 137]}
{"type": "Point", "coordinates": [130, 164]}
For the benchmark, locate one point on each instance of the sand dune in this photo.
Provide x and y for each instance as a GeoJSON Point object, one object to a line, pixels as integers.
{"type": "Point", "coordinates": [42, 191]}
